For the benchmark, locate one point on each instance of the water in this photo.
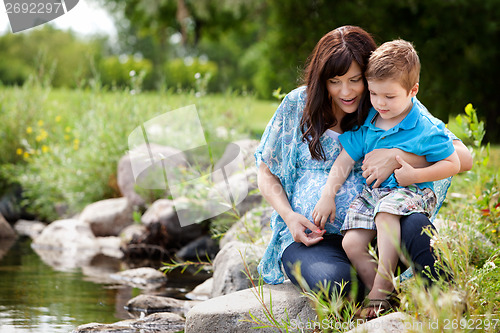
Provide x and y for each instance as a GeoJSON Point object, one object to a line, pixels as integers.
{"type": "Point", "coordinates": [36, 298]}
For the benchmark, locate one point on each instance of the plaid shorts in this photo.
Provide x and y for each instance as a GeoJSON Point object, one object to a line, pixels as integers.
{"type": "Point", "coordinates": [397, 201]}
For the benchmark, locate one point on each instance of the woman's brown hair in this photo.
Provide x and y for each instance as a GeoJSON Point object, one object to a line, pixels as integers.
{"type": "Point", "coordinates": [332, 56]}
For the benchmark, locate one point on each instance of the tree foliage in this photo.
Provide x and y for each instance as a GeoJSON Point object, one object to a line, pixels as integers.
{"type": "Point", "coordinates": [55, 56]}
{"type": "Point", "coordinates": [262, 45]}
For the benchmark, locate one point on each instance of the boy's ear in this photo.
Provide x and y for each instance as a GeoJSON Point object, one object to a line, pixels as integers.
{"type": "Point", "coordinates": [414, 90]}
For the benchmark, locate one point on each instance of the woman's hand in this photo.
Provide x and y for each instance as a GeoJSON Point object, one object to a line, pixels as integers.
{"type": "Point", "coordinates": [379, 164]}
{"type": "Point", "coordinates": [297, 224]}
{"type": "Point", "coordinates": [273, 192]}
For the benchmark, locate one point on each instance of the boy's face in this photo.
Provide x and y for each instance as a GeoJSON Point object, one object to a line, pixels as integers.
{"type": "Point", "coordinates": [390, 99]}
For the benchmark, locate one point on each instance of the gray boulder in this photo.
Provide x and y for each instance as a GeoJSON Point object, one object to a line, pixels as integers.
{"type": "Point", "coordinates": [164, 322]}
{"type": "Point", "coordinates": [136, 169]}
{"type": "Point", "coordinates": [152, 303]}
{"type": "Point", "coordinates": [237, 157]}
{"type": "Point", "coordinates": [143, 277]}
{"type": "Point", "coordinates": [230, 313]}
{"type": "Point", "coordinates": [229, 269]}
{"type": "Point", "coordinates": [108, 217]}
{"type": "Point", "coordinates": [201, 292]}
{"type": "Point", "coordinates": [163, 226]}
{"type": "Point", "coordinates": [6, 231]}
{"type": "Point", "coordinates": [29, 228]}
{"type": "Point", "coordinates": [68, 244]}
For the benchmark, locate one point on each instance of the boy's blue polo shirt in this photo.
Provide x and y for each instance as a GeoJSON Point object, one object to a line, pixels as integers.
{"type": "Point", "coordinates": [418, 133]}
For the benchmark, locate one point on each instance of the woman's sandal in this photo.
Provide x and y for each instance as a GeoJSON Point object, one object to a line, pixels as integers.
{"type": "Point", "coordinates": [381, 306]}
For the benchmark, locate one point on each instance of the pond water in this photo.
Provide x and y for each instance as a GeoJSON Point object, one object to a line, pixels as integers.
{"type": "Point", "coordinates": [34, 297]}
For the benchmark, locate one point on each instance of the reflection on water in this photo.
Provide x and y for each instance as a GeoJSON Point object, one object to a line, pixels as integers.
{"type": "Point", "coordinates": [36, 298]}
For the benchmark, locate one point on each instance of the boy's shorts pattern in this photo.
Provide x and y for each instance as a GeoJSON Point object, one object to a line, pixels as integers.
{"type": "Point", "coordinates": [397, 201]}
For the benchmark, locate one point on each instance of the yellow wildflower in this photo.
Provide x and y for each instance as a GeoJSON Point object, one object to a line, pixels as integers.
{"type": "Point", "coordinates": [494, 230]}
{"type": "Point", "coordinates": [76, 141]}
{"type": "Point", "coordinates": [19, 151]}
{"type": "Point", "coordinates": [40, 123]}
{"type": "Point", "coordinates": [44, 134]}
{"type": "Point", "coordinates": [469, 108]}
{"type": "Point", "coordinates": [67, 129]}
{"type": "Point", "coordinates": [29, 130]}
{"type": "Point", "coordinates": [58, 119]}
{"type": "Point", "coordinates": [45, 149]}
{"type": "Point", "coordinates": [26, 155]}
{"type": "Point", "coordinates": [38, 138]}
{"type": "Point", "coordinates": [66, 137]}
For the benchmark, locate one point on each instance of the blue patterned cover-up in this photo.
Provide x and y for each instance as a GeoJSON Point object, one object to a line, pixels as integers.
{"type": "Point", "coordinates": [303, 178]}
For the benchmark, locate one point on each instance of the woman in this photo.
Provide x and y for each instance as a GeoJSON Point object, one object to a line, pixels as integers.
{"type": "Point", "coordinates": [297, 151]}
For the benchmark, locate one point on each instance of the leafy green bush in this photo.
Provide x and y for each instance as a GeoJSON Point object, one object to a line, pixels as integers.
{"type": "Point", "coordinates": [186, 74]}
{"type": "Point", "coordinates": [58, 57]}
{"type": "Point", "coordinates": [120, 71]}
{"type": "Point", "coordinates": [63, 146]}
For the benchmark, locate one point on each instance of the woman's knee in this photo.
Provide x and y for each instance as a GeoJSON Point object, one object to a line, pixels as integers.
{"type": "Point", "coordinates": [414, 224]}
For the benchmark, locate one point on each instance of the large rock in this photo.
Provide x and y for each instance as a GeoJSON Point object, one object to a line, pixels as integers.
{"type": "Point", "coordinates": [237, 157]}
{"type": "Point", "coordinates": [29, 228]}
{"type": "Point", "coordinates": [71, 235]}
{"type": "Point", "coordinates": [5, 245]}
{"type": "Point", "coordinates": [164, 229]}
{"type": "Point", "coordinates": [164, 322]}
{"type": "Point", "coordinates": [152, 303]}
{"type": "Point", "coordinates": [6, 231]}
{"type": "Point", "coordinates": [202, 292]}
{"type": "Point", "coordinates": [143, 173]}
{"type": "Point", "coordinates": [237, 190]}
{"type": "Point", "coordinates": [228, 313]}
{"type": "Point", "coordinates": [253, 227]}
{"type": "Point", "coordinates": [108, 217]}
{"type": "Point", "coordinates": [229, 269]}
{"type": "Point", "coordinates": [143, 277]}
{"type": "Point", "coordinates": [200, 249]}
{"type": "Point", "coordinates": [68, 244]}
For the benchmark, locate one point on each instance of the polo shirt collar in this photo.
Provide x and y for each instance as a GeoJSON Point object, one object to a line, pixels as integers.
{"type": "Point", "coordinates": [410, 121]}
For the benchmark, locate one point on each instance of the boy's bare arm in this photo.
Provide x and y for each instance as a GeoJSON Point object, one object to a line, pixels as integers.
{"type": "Point", "coordinates": [407, 175]}
{"type": "Point", "coordinates": [379, 164]}
{"type": "Point", "coordinates": [338, 174]}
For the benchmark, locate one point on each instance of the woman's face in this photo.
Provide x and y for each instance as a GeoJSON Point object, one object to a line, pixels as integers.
{"type": "Point", "coordinates": [346, 90]}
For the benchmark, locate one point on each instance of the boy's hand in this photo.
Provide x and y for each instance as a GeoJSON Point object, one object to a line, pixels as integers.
{"type": "Point", "coordinates": [406, 175]}
{"type": "Point", "coordinates": [324, 208]}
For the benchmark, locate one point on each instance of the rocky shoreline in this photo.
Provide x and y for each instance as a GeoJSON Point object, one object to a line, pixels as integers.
{"type": "Point", "coordinates": [223, 303]}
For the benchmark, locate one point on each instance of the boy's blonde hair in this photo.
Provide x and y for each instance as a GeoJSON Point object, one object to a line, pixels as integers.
{"type": "Point", "coordinates": [396, 60]}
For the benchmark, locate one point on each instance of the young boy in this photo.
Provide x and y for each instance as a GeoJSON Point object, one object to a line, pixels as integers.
{"type": "Point", "coordinates": [396, 120]}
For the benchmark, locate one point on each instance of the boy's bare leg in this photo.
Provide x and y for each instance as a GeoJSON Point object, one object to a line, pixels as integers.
{"type": "Point", "coordinates": [388, 241]}
{"type": "Point", "coordinates": [355, 244]}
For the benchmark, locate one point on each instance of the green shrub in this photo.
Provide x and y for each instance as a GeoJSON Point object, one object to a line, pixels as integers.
{"type": "Point", "coordinates": [63, 146]}
{"type": "Point", "coordinates": [189, 74]}
{"type": "Point", "coordinates": [120, 71]}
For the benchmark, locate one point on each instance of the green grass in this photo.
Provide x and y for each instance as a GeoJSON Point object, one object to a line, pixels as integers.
{"type": "Point", "coordinates": [63, 146]}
